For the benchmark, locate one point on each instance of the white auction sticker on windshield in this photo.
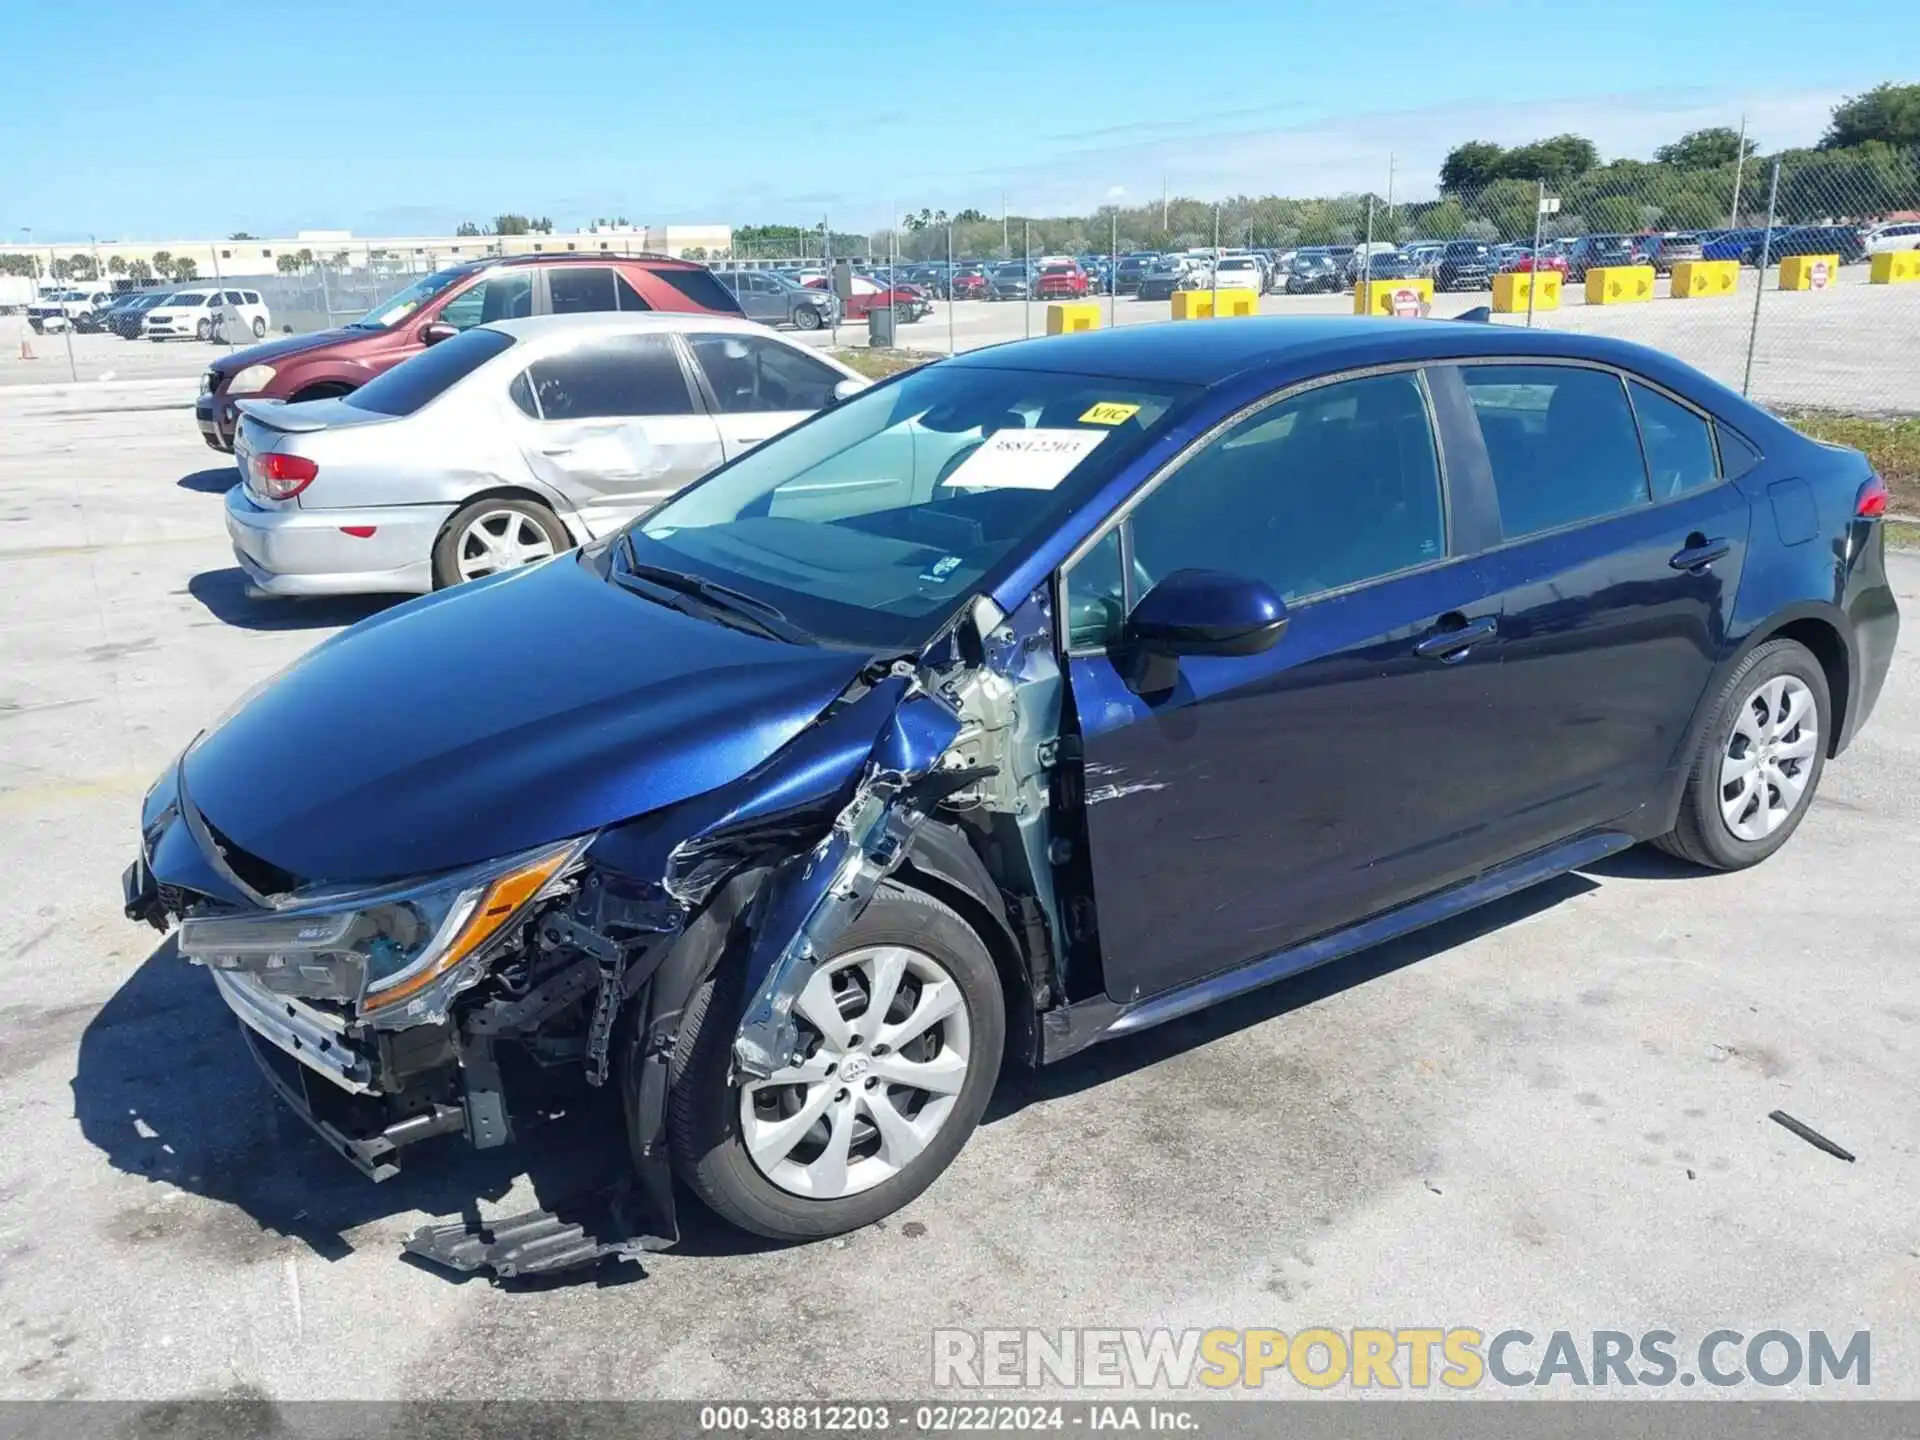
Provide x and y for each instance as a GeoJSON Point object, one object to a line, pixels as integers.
{"type": "Point", "coordinates": [1025, 459]}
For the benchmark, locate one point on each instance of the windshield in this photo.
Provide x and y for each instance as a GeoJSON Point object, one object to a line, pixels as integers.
{"type": "Point", "coordinates": [396, 308]}
{"type": "Point", "coordinates": [188, 298]}
{"type": "Point", "coordinates": [871, 523]}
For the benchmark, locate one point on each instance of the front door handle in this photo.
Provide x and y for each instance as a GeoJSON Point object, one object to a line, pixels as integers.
{"type": "Point", "coordinates": [749, 439]}
{"type": "Point", "coordinates": [1453, 635]}
{"type": "Point", "coordinates": [1700, 552]}
{"type": "Point", "coordinates": [556, 449]}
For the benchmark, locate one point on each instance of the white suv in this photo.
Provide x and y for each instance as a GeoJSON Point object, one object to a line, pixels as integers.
{"type": "Point", "coordinates": [203, 314]}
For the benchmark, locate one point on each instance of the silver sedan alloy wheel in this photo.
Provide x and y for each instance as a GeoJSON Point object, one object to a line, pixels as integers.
{"type": "Point", "coordinates": [883, 1058]}
{"type": "Point", "coordinates": [1769, 757]}
{"type": "Point", "coordinates": [500, 540]}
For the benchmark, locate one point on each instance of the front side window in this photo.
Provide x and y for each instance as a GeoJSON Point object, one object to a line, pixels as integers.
{"type": "Point", "coordinates": [748, 374]}
{"type": "Point", "coordinates": [396, 308]}
{"type": "Point", "coordinates": [1679, 444]}
{"type": "Point", "coordinates": [1562, 444]}
{"type": "Point", "coordinates": [873, 521]}
{"type": "Point", "coordinates": [617, 377]}
{"type": "Point", "coordinates": [572, 291]}
{"type": "Point", "coordinates": [504, 295]}
{"type": "Point", "coordinates": [1337, 485]}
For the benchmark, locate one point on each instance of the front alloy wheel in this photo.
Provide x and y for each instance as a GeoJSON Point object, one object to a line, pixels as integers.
{"type": "Point", "coordinates": [898, 1045]}
{"type": "Point", "coordinates": [886, 1043]}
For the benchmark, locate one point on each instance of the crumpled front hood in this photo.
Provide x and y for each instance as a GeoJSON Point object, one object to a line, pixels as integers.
{"type": "Point", "coordinates": [274, 349]}
{"type": "Point", "coordinates": [495, 716]}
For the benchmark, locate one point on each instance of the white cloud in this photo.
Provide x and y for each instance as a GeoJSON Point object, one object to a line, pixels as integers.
{"type": "Point", "coordinates": [1344, 154]}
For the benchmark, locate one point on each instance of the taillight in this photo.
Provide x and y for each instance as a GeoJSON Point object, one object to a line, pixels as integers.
{"type": "Point", "coordinates": [1871, 502]}
{"type": "Point", "coordinates": [281, 477]}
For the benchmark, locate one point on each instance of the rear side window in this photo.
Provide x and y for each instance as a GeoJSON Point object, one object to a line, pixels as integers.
{"type": "Point", "coordinates": [579, 290]}
{"type": "Point", "coordinates": [751, 374]}
{"type": "Point", "coordinates": [252, 296]}
{"type": "Point", "coordinates": [620, 376]}
{"type": "Point", "coordinates": [1562, 443]}
{"type": "Point", "coordinates": [699, 287]}
{"type": "Point", "coordinates": [1678, 442]}
{"type": "Point", "coordinates": [430, 374]}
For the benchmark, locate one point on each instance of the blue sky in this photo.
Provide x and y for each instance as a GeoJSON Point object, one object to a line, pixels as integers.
{"type": "Point", "coordinates": [387, 118]}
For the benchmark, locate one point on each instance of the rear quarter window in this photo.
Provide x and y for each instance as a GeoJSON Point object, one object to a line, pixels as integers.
{"type": "Point", "coordinates": [700, 287]}
{"type": "Point", "coordinates": [425, 377]}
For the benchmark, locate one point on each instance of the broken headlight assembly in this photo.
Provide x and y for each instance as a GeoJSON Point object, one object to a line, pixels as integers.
{"type": "Point", "coordinates": [398, 954]}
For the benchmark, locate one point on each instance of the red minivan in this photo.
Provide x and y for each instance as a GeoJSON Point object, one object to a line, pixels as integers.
{"type": "Point", "coordinates": [436, 306]}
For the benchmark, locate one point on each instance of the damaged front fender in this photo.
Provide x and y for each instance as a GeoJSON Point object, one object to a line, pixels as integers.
{"type": "Point", "coordinates": [812, 899]}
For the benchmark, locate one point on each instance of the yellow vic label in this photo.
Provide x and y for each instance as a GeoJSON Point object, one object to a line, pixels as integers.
{"type": "Point", "coordinates": [1109, 412]}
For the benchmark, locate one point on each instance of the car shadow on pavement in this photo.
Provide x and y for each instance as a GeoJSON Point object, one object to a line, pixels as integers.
{"type": "Point", "coordinates": [216, 481]}
{"type": "Point", "coordinates": [225, 594]}
{"type": "Point", "coordinates": [1115, 1058]}
{"type": "Point", "coordinates": [1643, 862]}
{"type": "Point", "coordinates": [166, 1088]}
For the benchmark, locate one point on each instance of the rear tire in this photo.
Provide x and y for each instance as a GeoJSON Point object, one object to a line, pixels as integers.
{"type": "Point", "coordinates": [708, 1109]}
{"type": "Point", "coordinates": [492, 534]}
{"type": "Point", "coordinates": [1758, 763]}
{"type": "Point", "coordinates": [259, 328]}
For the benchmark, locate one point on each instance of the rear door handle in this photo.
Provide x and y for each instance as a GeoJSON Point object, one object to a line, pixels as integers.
{"type": "Point", "coordinates": [1454, 635]}
{"type": "Point", "coordinates": [1699, 553]}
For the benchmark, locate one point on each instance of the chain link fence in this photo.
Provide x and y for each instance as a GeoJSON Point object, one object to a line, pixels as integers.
{"type": "Point", "coordinates": [1768, 275]}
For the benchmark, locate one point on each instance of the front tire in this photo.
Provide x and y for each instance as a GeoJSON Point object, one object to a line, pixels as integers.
{"type": "Point", "coordinates": [1759, 762]}
{"type": "Point", "coordinates": [806, 318]}
{"type": "Point", "coordinates": [902, 1031]}
{"type": "Point", "coordinates": [203, 331]}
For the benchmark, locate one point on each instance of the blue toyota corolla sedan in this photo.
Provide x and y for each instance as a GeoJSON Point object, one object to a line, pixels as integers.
{"type": "Point", "coordinates": [1031, 698]}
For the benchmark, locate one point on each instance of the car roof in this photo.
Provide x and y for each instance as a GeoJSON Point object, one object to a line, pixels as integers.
{"type": "Point", "coordinates": [534, 327]}
{"type": "Point", "coordinates": [1181, 352]}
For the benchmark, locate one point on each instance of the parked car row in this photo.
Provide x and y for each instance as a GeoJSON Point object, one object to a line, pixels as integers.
{"type": "Point", "coordinates": [190, 313]}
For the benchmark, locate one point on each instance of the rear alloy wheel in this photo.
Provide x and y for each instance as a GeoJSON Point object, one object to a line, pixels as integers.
{"type": "Point", "coordinates": [900, 1035]}
{"type": "Point", "coordinates": [1759, 762]}
{"type": "Point", "coordinates": [259, 328]}
{"type": "Point", "coordinates": [492, 535]}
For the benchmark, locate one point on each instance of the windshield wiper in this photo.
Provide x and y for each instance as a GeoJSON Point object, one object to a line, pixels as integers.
{"type": "Point", "coordinates": [727, 604]}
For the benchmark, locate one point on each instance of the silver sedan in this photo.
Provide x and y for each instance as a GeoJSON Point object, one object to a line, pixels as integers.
{"type": "Point", "coordinates": [506, 444]}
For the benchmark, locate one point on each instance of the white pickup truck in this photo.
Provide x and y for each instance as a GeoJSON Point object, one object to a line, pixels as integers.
{"type": "Point", "coordinates": [57, 309]}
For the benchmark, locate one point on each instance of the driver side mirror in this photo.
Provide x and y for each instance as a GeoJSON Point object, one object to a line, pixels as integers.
{"type": "Point", "coordinates": [1198, 612]}
{"type": "Point", "coordinates": [846, 390]}
{"type": "Point", "coordinates": [434, 331]}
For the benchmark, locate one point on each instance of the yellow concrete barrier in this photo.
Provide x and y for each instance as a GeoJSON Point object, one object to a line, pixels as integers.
{"type": "Point", "coordinates": [1408, 299]}
{"type": "Point", "coordinates": [1510, 290]}
{"type": "Point", "coordinates": [1235, 301]}
{"type": "Point", "coordinates": [1193, 304]}
{"type": "Point", "coordinates": [1699, 279]}
{"type": "Point", "coordinates": [1809, 272]}
{"type": "Point", "coordinates": [1067, 317]}
{"type": "Point", "coordinates": [1894, 267]}
{"type": "Point", "coordinates": [1619, 285]}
